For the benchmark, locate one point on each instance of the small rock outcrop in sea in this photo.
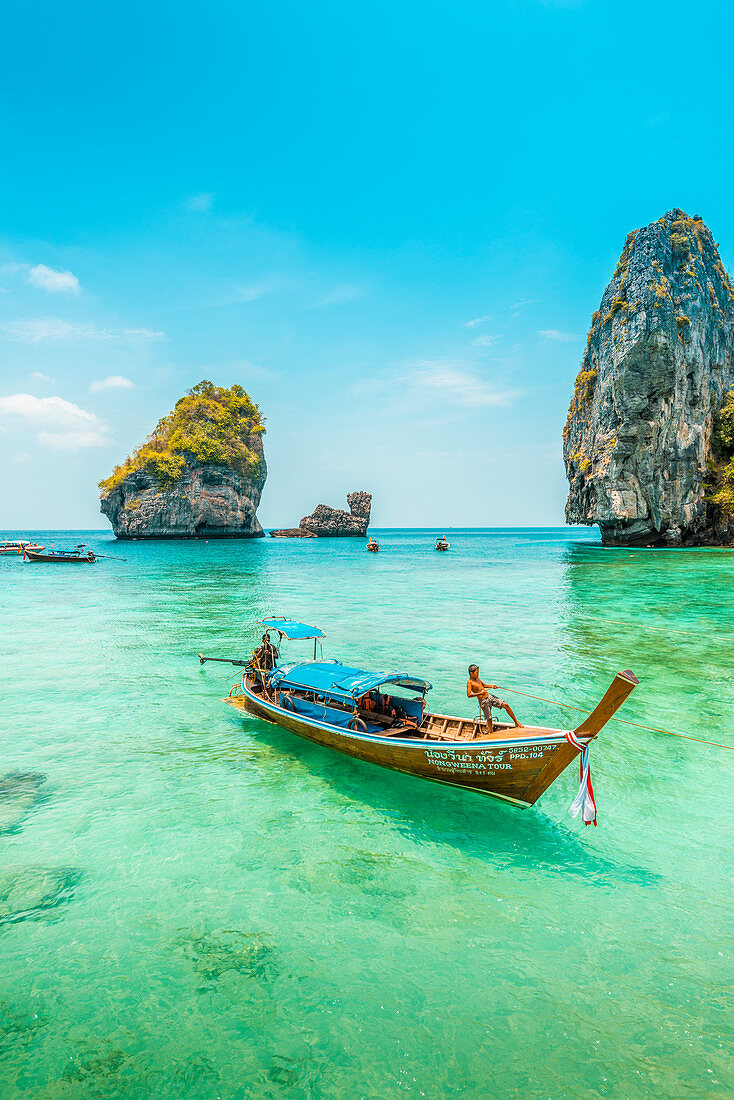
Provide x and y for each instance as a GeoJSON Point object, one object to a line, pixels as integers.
{"type": "Point", "coordinates": [649, 440]}
{"type": "Point", "coordinates": [199, 475]}
{"type": "Point", "coordinates": [326, 522]}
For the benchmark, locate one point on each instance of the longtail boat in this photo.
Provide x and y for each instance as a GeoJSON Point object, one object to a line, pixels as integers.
{"type": "Point", "coordinates": [17, 546]}
{"type": "Point", "coordinates": [442, 543]}
{"type": "Point", "coordinates": [78, 554]}
{"type": "Point", "coordinates": [373, 545]}
{"type": "Point", "coordinates": [382, 718]}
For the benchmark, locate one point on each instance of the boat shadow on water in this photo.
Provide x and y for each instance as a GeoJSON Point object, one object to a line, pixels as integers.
{"type": "Point", "coordinates": [477, 825]}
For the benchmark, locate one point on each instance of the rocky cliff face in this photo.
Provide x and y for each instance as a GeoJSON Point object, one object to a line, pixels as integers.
{"type": "Point", "coordinates": [640, 439]}
{"type": "Point", "coordinates": [206, 502]}
{"type": "Point", "coordinates": [326, 522]}
{"type": "Point", "coordinates": [199, 475]}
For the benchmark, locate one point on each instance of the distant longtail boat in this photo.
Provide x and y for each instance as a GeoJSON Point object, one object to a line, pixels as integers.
{"type": "Point", "coordinates": [78, 554]}
{"type": "Point", "coordinates": [17, 546]}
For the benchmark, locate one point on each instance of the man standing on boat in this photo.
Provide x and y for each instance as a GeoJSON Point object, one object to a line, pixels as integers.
{"type": "Point", "coordinates": [477, 689]}
{"type": "Point", "coordinates": [266, 654]}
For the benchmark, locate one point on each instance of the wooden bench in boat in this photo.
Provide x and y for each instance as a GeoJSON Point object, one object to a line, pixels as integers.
{"type": "Point", "coordinates": [449, 727]}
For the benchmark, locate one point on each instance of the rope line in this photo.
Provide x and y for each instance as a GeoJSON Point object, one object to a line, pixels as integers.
{"type": "Point", "coordinates": [648, 626]}
{"type": "Point", "coordinates": [624, 721]}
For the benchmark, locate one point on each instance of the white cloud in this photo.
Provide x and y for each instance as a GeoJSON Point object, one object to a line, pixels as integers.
{"type": "Point", "coordinates": [452, 381]}
{"type": "Point", "coordinates": [112, 382]}
{"type": "Point", "coordinates": [199, 204]}
{"type": "Point", "coordinates": [346, 292]}
{"type": "Point", "coordinates": [485, 341]}
{"type": "Point", "coordinates": [459, 384]}
{"type": "Point", "coordinates": [44, 277]}
{"type": "Point", "coordinates": [131, 333]}
{"type": "Point", "coordinates": [560, 337]}
{"type": "Point", "coordinates": [477, 321]}
{"type": "Point", "coordinates": [38, 329]}
{"type": "Point", "coordinates": [56, 282]}
{"type": "Point", "coordinates": [39, 376]}
{"type": "Point", "coordinates": [58, 423]}
{"type": "Point", "coordinates": [252, 291]}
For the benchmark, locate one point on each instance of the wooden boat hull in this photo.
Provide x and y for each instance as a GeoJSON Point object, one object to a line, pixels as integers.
{"type": "Point", "coordinates": [86, 559]}
{"type": "Point", "coordinates": [514, 765]}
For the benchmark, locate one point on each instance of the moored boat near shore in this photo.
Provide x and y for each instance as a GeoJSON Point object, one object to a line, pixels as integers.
{"type": "Point", "coordinates": [381, 718]}
{"type": "Point", "coordinates": [78, 554]}
{"type": "Point", "coordinates": [17, 546]}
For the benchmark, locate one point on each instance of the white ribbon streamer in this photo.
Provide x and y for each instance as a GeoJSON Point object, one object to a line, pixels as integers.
{"type": "Point", "coordinates": [583, 803]}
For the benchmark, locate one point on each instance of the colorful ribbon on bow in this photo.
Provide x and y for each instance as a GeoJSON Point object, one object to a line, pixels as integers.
{"type": "Point", "coordinates": [584, 801]}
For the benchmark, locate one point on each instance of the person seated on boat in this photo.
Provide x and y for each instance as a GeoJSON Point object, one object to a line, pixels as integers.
{"type": "Point", "coordinates": [400, 716]}
{"type": "Point", "coordinates": [266, 654]}
{"type": "Point", "coordinates": [476, 688]}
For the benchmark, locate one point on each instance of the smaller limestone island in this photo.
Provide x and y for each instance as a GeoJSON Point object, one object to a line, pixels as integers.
{"type": "Point", "coordinates": [199, 475]}
{"type": "Point", "coordinates": [649, 440]}
{"type": "Point", "coordinates": [325, 522]}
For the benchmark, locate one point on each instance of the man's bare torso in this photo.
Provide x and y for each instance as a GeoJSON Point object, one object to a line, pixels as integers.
{"type": "Point", "coordinates": [477, 688]}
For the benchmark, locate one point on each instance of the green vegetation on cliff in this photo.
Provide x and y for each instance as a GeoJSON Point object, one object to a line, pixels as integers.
{"type": "Point", "coordinates": [211, 424]}
{"type": "Point", "coordinates": [720, 482]}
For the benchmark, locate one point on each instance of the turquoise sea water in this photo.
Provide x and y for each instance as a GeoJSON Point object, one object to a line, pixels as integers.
{"type": "Point", "coordinates": [196, 904]}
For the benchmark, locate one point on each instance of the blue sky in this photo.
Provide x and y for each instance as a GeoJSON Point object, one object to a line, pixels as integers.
{"type": "Point", "coordinates": [390, 222]}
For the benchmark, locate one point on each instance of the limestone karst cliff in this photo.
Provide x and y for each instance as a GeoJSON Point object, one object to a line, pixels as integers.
{"type": "Point", "coordinates": [199, 475]}
{"type": "Point", "coordinates": [647, 450]}
{"type": "Point", "coordinates": [326, 522]}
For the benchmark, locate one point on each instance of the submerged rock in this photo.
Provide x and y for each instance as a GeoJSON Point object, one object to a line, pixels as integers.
{"type": "Point", "coordinates": [199, 475]}
{"type": "Point", "coordinates": [640, 442]}
{"type": "Point", "coordinates": [18, 792]}
{"type": "Point", "coordinates": [27, 892]}
{"type": "Point", "coordinates": [18, 1023]}
{"type": "Point", "coordinates": [326, 522]}
{"type": "Point", "coordinates": [232, 951]}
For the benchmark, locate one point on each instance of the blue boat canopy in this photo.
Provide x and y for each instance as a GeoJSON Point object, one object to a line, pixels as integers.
{"type": "Point", "coordinates": [337, 681]}
{"type": "Point", "coordinates": [292, 630]}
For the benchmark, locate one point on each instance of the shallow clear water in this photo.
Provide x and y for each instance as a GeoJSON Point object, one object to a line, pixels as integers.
{"type": "Point", "coordinates": [196, 904]}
